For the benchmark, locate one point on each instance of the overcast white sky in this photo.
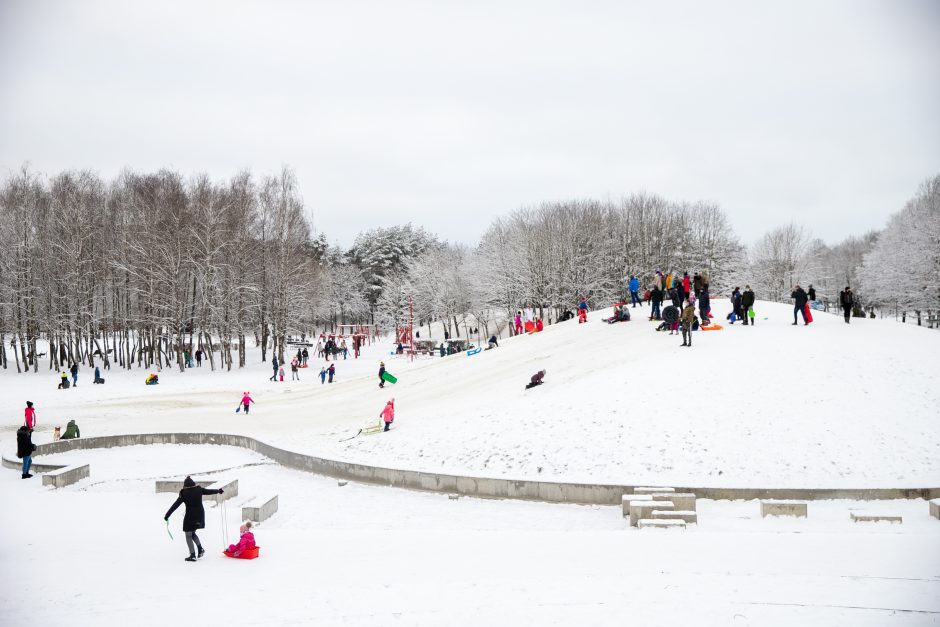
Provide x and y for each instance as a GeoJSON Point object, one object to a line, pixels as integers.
{"type": "Point", "coordinates": [448, 114]}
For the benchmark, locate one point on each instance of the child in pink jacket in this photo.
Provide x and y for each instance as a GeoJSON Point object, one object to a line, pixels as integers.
{"type": "Point", "coordinates": [388, 414]}
{"type": "Point", "coordinates": [247, 541]}
{"type": "Point", "coordinates": [246, 401]}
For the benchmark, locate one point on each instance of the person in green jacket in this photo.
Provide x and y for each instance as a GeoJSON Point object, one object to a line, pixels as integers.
{"type": "Point", "coordinates": [71, 431]}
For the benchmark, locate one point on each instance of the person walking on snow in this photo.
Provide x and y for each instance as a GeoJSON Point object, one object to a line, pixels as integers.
{"type": "Point", "coordinates": [704, 306]}
{"type": "Point", "coordinates": [30, 416]}
{"type": "Point", "coordinates": [747, 302]}
{"type": "Point", "coordinates": [382, 372]}
{"type": "Point", "coordinates": [847, 300]}
{"type": "Point", "coordinates": [25, 448]}
{"type": "Point", "coordinates": [246, 401]}
{"type": "Point", "coordinates": [634, 287]}
{"type": "Point", "coordinates": [274, 366]}
{"type": "Point", "coordinates": [388, 414]}
{"type": "Point", "coordinates": [686, 320]}
{"type": "Point", "coordinates": [517, 324]}
{"type": "Point", "coordinates": [322, 375]}
{"type": "Point", "coordinates": [811, 292]}
{"type": "Point", "coordinates": [306, 356]}
{"type": "Point", "coordinates": [199, 358]}
{"type": "Point", "coordinates": [331, 372]}
{"type": "Point", "coordinates": [98, 378]}
{"type": "Point", "coordinates": [799, 304]}
{"type": "Point", "coordinates": [736, 299]}
{"type": "Point", "coordinates": [74, 371]}
{"type": "Point", "coordinates": [686, 283]}
{"type": "Point", "coordinates": [195, 516]}
{"type": "Point", "coordinates": [294, 373]}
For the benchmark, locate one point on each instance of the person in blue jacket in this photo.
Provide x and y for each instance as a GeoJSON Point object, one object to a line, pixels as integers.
{"type": "Point", "coordinates": [635, 290]}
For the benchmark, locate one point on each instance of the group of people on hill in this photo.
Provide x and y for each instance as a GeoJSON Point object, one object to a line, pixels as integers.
{"type": "Point", "coordinates": [802, 298]}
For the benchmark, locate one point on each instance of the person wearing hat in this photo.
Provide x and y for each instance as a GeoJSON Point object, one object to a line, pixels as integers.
{"type": "Point", "coordinates": [195, 516]}
{"type": "Point", "coordinates": [388, 414]}
{"type": "Point", "coordinates": [381, 374]}
{"type": "Point", "coordinates": [30, 416]}
{"type": "Point", "coordinates": [25, 448]}
{"type": "Point", "coordinates": [71, 431]}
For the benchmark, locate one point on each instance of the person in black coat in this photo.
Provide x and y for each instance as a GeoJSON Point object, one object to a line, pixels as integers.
{"type": "Point", "coordinates": [656, 298]}
{"type": "Point", "coordinates": [195, 516]}
{"type": "Point", "coordinates": [25, 448]}
{"type": "Point", "coordinates": [704, 305]}
{"type": "Point", "coordinates": [811, 293]}
{"type": "Point", "coordinates": [382, 373]}
{"type": "Point", "coordinates": [799, 303]}
{"type": "Point", "coordinates": [847, 300]}
{"type": "Point", "coordinates": [747, 301]}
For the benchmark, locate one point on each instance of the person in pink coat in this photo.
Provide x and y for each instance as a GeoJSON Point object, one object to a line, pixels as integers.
{"type": "Point", "coordinates": [247, 541]}
{"type": "Point", "coordinates": [388, 414]}
{"type": "Point", "coordinates": [518, 323]}
{"type": "Point", "coordinates": [30, 416]}
{"type": "Point", "coordinates": [246, 401]}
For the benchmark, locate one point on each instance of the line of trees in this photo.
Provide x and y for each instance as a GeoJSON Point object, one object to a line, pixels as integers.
{"type": "Point", "coordinates": [140, 270]}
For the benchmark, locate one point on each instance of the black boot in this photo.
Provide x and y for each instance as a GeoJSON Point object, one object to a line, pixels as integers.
{"type": "Point", "coordinates": [191, 558]}
{"type": "Point", "coordinates": [26, 476]}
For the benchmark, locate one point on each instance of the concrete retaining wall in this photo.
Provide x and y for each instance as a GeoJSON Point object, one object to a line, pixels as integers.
{"type": "Point", "coordinates": [598, 494]}
{"type": "Point", "coordinates": [67, 475]}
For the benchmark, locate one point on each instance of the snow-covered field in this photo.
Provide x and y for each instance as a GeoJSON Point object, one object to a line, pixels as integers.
{"type": "Point", "coordinates": [97, 554]}
{"type": "Point", "coordinates": [828, 405]}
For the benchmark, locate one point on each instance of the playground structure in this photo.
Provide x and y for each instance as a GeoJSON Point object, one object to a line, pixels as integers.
{"type": "Point", "coordinates": [360, 333]}
{"type": "Point", "coordinates": [404, 334]}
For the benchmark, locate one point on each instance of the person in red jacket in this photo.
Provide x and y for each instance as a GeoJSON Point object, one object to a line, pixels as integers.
{"type": "Point", "coordinates": [30, 416]}
{"type": "Point", "coordinates": [686, 283]}
{"type": "Point", "coordinates": [538, 325]}
{"type": "Point", "coordinates": [388, 414]}
{"type": "Point", "coordinates": [247, 541]}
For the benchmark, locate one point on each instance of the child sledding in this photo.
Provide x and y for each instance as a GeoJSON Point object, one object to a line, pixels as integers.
{"type": "Point", "coordinates": [246, 549]}
{"type": "Point", "coordinates": [621, 314]}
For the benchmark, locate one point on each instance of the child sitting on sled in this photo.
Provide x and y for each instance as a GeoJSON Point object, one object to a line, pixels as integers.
{"type": "Point", "coordinates": [247, 541]}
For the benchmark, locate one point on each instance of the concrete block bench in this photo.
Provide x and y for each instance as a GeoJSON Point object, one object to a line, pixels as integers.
{"type": "Point", "coordinates": [260, 508]}
{"type": "Point", "coordinates": [935, 508]}
{"type": "Point", "coordinates": [652, 490]}
{"type": "Point", "coordinates": [230, 487]}
{"type": "Point", "coordinates": [65, 476]}
{"type": "Point", "coordinates": [645, 509]}
{"type": "Point", "coordinates": [783, 508]}
{"type": "Point", "coordinates": [681, 500]}
{"type": "Point", "coordinates": [876, 518]}
{"type": "Point", "coordinates": [626, 498]}
{"type": "Point", "coordinates": [685, 516]}
{"type": "Point", "coordinates": [652, 523]}
{"type": "Point", "coordinates": [175, 485]}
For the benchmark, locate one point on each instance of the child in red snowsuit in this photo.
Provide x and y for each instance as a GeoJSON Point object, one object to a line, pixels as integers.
{"type": "Point", "coordinates": [247, 541]}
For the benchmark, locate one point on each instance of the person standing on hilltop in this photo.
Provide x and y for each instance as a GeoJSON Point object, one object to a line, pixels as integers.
{"type": "Point", "coordinates": [747, 302]}
{"type": "Point", "coordinates": [847, 300]}
{"type": "Point", "coordinates": [799, 303]}
{"type": "Point", "coordinates": [634, 287]}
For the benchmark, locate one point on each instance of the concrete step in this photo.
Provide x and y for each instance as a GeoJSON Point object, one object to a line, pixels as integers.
{"type": "Point", "coordinates": [652, 523]}
{"type": "Point", "coordinates": [685, 516]}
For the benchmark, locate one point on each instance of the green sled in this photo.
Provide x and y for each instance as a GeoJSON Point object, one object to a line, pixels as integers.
{"type": "Point", "coordinates": [391, 379]}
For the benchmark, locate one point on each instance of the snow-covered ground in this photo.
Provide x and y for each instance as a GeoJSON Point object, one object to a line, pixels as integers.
{"type": "Point", "coordinates": [828, 405]}
{"type": "Point", "coordinates": [97, 554]}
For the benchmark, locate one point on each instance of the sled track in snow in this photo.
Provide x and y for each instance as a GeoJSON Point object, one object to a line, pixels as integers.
{"type": "Point", "coordinates": [483, 487]}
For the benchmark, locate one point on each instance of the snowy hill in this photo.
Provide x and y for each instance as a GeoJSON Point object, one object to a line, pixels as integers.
{"type": "Point", "coordinates": [772, 405]}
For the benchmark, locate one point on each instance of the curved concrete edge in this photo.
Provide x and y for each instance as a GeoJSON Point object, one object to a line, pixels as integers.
{"type": "Point", "coordinates": [554, 492]}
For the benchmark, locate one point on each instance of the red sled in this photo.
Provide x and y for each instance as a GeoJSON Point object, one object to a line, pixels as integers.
{"type": "Point", "coordinates": [247, 554]}
{"type": "Point", "coordinates": [808, 312]}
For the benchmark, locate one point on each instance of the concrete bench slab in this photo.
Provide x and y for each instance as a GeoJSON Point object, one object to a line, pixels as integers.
{"type": "Point", "coordinates": [66, 476]}
{"type": "Point", "coordinates": [652, 490]}
{"type": "Point", "coordinates": [644, 509]}
{"type": "Point", "coordinates": [684, 516]}
{"type": "Point", "coordinates": [625, 501]}
{"type": "Point", "coordinates": [175, 485]}
{"type": "Point", "coordinates": [230, 487]}
{"type": "Point", "coordinates": [935, 508]}
{"type": "Point", "coordinates": [783, 508]}
{"type": "Point", "coordinates": [652, 523]}
{"type": "Point", "coordinates": [260, 508]}
{"type": "Point", "coordinates": [681, 500]}
{"type": "Point", "coordinates": [892, 518]}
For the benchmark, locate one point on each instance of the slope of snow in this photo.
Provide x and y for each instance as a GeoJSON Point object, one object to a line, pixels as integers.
{"type": "Point", "coordinates": [775, 405]}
